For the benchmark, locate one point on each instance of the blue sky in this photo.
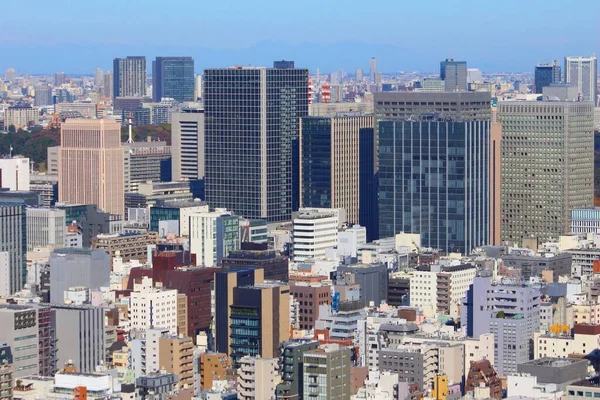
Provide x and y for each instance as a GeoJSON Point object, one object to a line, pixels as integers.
{"type": "Point", "coordinates": [77, 36]}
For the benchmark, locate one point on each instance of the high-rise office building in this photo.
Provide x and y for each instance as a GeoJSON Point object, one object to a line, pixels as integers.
{"type": "Point", "coordinates": [43, 95]}
{"type": "Point", "coordinates": [147, 161]}
{"type": "Point", "coordinates": [107, 85]}
{"type": "Point", "coordinates": [46, 227]}
{"type": "Point", "coordinates": [129, 77]}
{"type": "Point", "coordinates": [98, 78]}
{"type": "Point", "coordinates": [372, 69]}
{"type": "Point", "coordinates": [359, 75]}
{"type": "Point", "coordinates": [59, 78]}
{"type": "Point", "coordinates": [582, 72]}
{"type": "Point", "coordinates": [547, 167]}
{"type": "Point", "coordinates": [173, 77]}
{"type": "Point", "coordinates": [315, 230]}
{"type": "Point", "coordinates": [80, 334]}
{"type": "Point", "coordinates": [330, 176]}
{"type": "Point", "coordinates": [13, 248]}
{"type": "Point", "coordinates": [252, 155]}
{"type": "Point", "coordinates": [90, 164]}
{"type": "Point", "coordinates": [434, 181]}
{"type": "Point", "coordinates": [187, 144]}
{"type": "Point", "coordinates": [545, 74]}
{"type": "Point", "coordinates": [454, 74]}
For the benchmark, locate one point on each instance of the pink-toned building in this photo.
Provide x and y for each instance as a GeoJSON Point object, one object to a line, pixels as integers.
{"type": "Point", "coordinates": [90, 164]}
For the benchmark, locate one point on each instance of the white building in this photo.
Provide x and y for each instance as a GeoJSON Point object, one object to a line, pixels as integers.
{"type": "Point", "coordinates": [527, 386]}
{"type": "Point", "coordinates": [439, 289]}
{"type": "Point", "coordinates": [257, 378]}
{"type": "Point", "coordinates": [14, 173]}
{"type": "Point", "coordinates": [145, 351]}
{"type": "Point", "coordinates": [152, 306]}
{"type": "Point", "coordinates": [582, 72]}
{"type": "Point", "coordinates": [20, 117]}
{"type": "Point", "coordinates": [213, 235]}
{"type": "Point", "coordinates": [315, 230]}
{"type": "Point", "coordinates": [350, 239]}
{"type": "Point", "coordinates": [46, 227]}
{"type": "Point", "coordinates": [187, 144]}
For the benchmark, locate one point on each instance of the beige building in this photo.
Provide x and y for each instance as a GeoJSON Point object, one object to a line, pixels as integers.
{"type": "Point", "coordinates": [182, 314]}
{"type": "Point", "coordinates": [587, 313]}
{"type": "Point", "coordinates": [90, 164]}
{"type": "Point", "coordinates": [547, 166]}
{"type": "Point", "coordinates": [87, 110]}
{"type": "Point", "coordinates": [585, 339]}
{"type": "Point", "coordinates": [495, 187]}
{"type": "Point", "coordinates": [127, 246]}
{"type": "Point", "coordinates": [20, 117]}
{"type": "Point", "coordinates": [257, 378]}
{"type": "Point", "coordinates": [176, 355]}
{"type": "Point", "coordinates": [344, 135]}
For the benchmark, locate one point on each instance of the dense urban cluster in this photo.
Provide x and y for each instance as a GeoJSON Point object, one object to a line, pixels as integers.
{"type": "Point", "coordinates": [300, 235]}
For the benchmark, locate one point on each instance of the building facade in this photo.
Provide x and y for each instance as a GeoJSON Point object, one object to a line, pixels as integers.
{"type": "Point", "coordinates": [213, 235]}
{"type": "Point", "coordinates": [13, 246]}
{"type": "Point", "coordinates": [547, 166]}
{"type": "Point", "coordinates": [173, 77]}
{"type": "Point", "coordinates": [434, 181]}
{"type": "Point", "coordinates": [188, 144]}
{"type": "Point", "coordinates": [129, 77]}
{"type": "Point", "coordinates": [545, 75]}
{"type": "Point", "coordinates": [315, 230]}
{"type": "Point", "coordinates": [90, 165]}
{"type": "Point", "coordinates": [252, 156]}
{"type": "Point", "coordinates": [582, 72]}
{"type": "Point", "coordinates": [454, 75]}
{"type": "Point", "coordinates": [46, 227]}
{"type": "Point", "coordinates": [327, 373]}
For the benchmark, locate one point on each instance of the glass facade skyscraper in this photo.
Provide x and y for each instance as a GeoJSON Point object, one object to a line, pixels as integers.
{"type": "Point", "coordinates": [251, 137]}
{"type": "Point", "coordinates": [173, 77]}
{"type": "Point", "coordinates": [337, 167]}
{"type": "Point", "coordinates": [129, 77]}
{"type": "Point", "coordinates": [546, 74]}
{"type": "Point", "coordinates": [13, 241]}
{"type": "Point", "coordinates": [434, 180]}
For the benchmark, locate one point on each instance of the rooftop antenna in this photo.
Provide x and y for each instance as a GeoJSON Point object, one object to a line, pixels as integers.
{"type": "Point", "coordinates": [10, 150]}
{"type": "Point", "coordinates": [130, 123]}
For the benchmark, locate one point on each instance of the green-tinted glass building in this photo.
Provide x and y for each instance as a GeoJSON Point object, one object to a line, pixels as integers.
{"type": "Point", "coordinates": [173, 77]}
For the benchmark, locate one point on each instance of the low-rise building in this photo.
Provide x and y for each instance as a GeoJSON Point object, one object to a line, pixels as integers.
{"type": "Point", "coordinates": [132, 246]}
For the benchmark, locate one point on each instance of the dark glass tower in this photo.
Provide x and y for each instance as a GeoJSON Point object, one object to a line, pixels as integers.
{"type": "Point", "coordinates": [173, 77]}
{"type": "Point", "coordinates": [251, 137]}
{"type": "Point", "coordinates": [13, 241]}
{"type": "Point", "coordinates": [545, 74]}
{"type": "Point", "coordinates": [434, 180]}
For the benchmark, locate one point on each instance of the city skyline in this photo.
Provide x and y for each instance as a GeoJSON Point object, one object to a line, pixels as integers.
{"type": "Point", "coordinates": [217, 37]}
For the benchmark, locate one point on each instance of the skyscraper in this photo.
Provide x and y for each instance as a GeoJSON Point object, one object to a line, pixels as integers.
{"type": "Point", "coordinates": [372, 69]}
{"type": "Point", "coordinates": [252, 127]}
{"type": "Point", "coordinates": [107, 86]}
{"type": "Point", "coordinates": [90, 164]}
{"type": "Point", "coordinates": [59, 78]}
{"type": "Point", "coordinates": [359, 74]}
{"type": "Point", "coordinates": [545, 74]}
{"type": "Point", "coordinates": [332, 164]}
{"type": "Point", "coordinates": [13, 248]}
{"type": "Point", "coordinates": [10, 75]}
{"type": "Point", "coordinates": [43, 95]}
{"type": "Point", "coordinates": [434, 180]}
{"type": "Point", "coordinates": [187, 144]}
{"type": "Point", "coordinates": [173, 77]}
{"type": "Point", "coordinates": [129, 77]}
{"type": "Point", "coordinates": [454, 74]}
{"type": "Point", "coordinates": [98, 78]}
{"type": "Point", "coordinates": [582, 72]}
{"type": "Point", "coordinates": [547, 166]}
